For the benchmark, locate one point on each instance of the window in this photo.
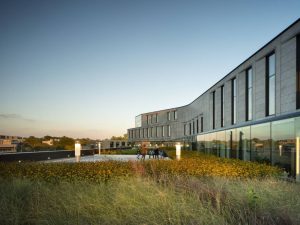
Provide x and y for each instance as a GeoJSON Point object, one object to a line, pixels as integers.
{"type": "Point", "coordinates": [144, 133]}
{"type": "Point", "coordinates": [222, 105]}
{"type": "Point", "coordinates": [233, 101]}
{"type": "Point", "coordinates": [201, 130]}
{"type": "Point", "coordinates": [193, 127]}
{"type": "Point", "coordinates": [156, 118]}
{"type": "Point", "coordinates": [190, 128]}
{"type": "Point", "coordinates": [169, 115]}
{"type": "Point", "coordinates": [184, 129]}
{"type": "Point", "coordinates": [248, 94]}
{"type": "Point", "coordinates": [270, 84]}
{"type": "Point", "coordinates": [162, 131]}
{"type": "Point", "coordinates": [151, 119]}
{"type": "Point", "coordinates": [284, 144]}
{"type": "Point", "coordinates": [169, 130]}
{"type": "Point", "coordinates": [260, 141]}
{"type": "Point", "coordinates": [213, 108]}
{"type": "Point", "coordinates": [175, 115]}
{"type": "Point", "coordinates": [147, 118]}
{"type": "Point", "coordinates": [298, 71]}
{"type": "Point", "coordinates": [156, 131]}
{"type": "Point", "coordinates": [148, 132]}
{"type": "Point", "coordinates": [141, 130]}
{"type": "Point", "coordinates": [197, 125]}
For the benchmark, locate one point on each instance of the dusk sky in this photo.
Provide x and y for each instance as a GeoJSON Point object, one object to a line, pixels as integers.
{"type": "Point", "coordinates": [87, 68]}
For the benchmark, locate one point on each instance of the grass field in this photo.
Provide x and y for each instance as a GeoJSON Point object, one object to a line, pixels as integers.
{"type": "Point", "coordinates": [153, 192]}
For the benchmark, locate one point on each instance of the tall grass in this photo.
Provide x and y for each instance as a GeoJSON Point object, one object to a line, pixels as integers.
{"type": "Point", "coordinates": [142, 200]}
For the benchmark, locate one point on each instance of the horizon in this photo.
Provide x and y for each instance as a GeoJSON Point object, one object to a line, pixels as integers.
{"type": "Point", "coordinates": [86, 70]}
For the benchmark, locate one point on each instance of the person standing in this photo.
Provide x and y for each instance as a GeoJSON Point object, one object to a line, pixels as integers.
{"type": "Point", "coordinates": [138, 153]}
{"type": "Point", "coordinates": [143, 151]}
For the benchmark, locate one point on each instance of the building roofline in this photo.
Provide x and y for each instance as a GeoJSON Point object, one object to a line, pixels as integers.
{"type": "Point", "coordinates": [278, 35]}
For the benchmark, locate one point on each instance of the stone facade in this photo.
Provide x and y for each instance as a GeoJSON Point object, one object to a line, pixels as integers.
{"type": "Point", "coordinates": [183, 125]}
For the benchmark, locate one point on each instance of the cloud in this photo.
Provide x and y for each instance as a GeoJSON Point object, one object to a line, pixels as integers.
{"type": "Point", "coordinates": [15, 117]}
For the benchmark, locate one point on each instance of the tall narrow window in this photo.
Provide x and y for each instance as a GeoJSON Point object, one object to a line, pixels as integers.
{"type": "Point", "coordinates": [184, 129]}
{"type": "Point", "coordinates": [148, 132]}
{"type": "Point", "coordinates": [298, 72]}
{"type": "Point", "coordinates": [151, 132]}
{"type": "Point", "coordinates": [233, 101]}
{"type": "Point", "coordinates": [175, 115]}
{"type": "Point", "coordinates": [201, 130]}
{"type": "Point", "coordinates": [147, 118]}
{"type": "Point", "coordinates": [169, 115]}
{"type": "Point", "coordinates": [151, 118]}
{"type": "Point", "coordinates": [213, 108]}
{"type": "Point", "coordinates": [156, 132]}
{"type": "Point", "coordinates": [270, 84]}
{"type": "Point", "coordinates": [162, 131]}
{"type": "Point", "coordinates": [249, 94]}
{"type": "Point", "coordinates": [197, 125]}
{"type": "Point", "coordinates": [156, 118]}
{"type": "Point", "coordinates": [222, 105]}
{"type": "Point", "coordinates": [169, 130]}
{"type": "Point", "coordinates": [190, 130]}
{"type": "Point", "coordinates": [193, 127]}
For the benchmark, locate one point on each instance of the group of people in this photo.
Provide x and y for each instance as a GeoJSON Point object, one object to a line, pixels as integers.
{"type": "Point", "coordinates": [154, 153]}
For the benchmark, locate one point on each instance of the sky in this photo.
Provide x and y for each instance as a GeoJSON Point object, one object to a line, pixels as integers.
{"type": "Point", "coordinates": [87, 68]}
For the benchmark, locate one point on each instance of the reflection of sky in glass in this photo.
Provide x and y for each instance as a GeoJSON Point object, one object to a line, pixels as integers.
{"type": "Point", "coordinates": [261, 132]}
{"type": "Point", "coordinates": [86, 70]}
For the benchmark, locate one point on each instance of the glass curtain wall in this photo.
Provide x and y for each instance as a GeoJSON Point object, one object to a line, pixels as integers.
{"type": "Point", "coordinates": [244, 143]}
{"type": "Point", "coordinates": [201, 143]}
{"type": "Point", "coordinates": [284, 144]}
{"type": "Point", "coordinates": [231, 144]}
{"type": "Point", "coordinates": [260, 143]}
{"type": "Point", "coordinates": [221, 144]}
{"type": "Point", "coordinates": [273, 143]}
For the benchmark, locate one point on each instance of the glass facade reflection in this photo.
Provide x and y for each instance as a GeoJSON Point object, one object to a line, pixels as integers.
{"type": "Point", "coordinates": [283, 144]}
{"type": "Point", "coordinates": [272, 143]}
{"type": "Point", "coordinates": [260, 143]}
{"type": "Point", "coordinates": [244, 143]}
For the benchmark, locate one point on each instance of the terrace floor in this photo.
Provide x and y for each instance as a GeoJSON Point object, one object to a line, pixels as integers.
{"type": "Point", "coordinates": [96, 158]}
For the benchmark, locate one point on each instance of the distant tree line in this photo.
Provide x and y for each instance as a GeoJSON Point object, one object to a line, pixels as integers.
{"type": "Point", "coordinates": [33, 143]}
{"type": "Point", "coordinates": [58, 143]}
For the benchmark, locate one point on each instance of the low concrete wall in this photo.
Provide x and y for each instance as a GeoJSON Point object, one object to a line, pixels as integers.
{"type": "Point", "coordinates": [40, 156]}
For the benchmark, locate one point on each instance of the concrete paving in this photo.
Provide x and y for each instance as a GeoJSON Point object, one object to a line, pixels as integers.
{"type": "Point", "coordinates": [96, 158]}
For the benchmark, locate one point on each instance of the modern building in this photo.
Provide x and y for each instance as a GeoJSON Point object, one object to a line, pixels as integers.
{"type": "Point", "coordinates": [48, 142]}
{"type": "Point", "coordinates": [9, 143]}
{"type": "Point", "coordinates": [253, 113]}
{"type": "Point", "coordinates": [114, 144]}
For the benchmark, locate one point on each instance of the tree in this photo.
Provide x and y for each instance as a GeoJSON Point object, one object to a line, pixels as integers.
{"type": "Point", "coordinates": [124, 137]}
{"type": "Point", "coordinates": [33, 141]}
{"type": "Point", "coordinates": [66, 143]}
{"type": "Point", "coordinates": [47, 137]}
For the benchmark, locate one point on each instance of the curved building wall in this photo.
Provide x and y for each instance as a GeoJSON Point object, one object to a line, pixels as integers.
{"type": "Point", "coordinates": [204, 114]}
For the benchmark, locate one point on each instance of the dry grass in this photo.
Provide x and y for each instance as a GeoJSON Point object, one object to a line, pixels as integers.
{"type": "Point", "coordinates": [136, 200]}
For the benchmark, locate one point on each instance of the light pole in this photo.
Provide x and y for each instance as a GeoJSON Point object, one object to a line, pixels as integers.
{"type": "Point", "coordinates": [77, 151]}
{"type": "Point", "coordinates": [99, 148]}
{"type": "Point", "coordinates": [178, 150]}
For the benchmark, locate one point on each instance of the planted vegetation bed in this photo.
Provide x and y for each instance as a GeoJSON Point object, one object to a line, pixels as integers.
{"type": "Point", "coordinates": [199, 189]}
